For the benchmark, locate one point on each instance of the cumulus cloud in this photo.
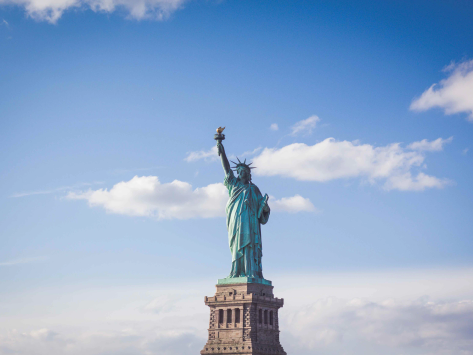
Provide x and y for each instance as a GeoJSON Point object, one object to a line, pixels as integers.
{"type": "Point", "coordinates": [274, 127]}
{"type": "Point", "coordinates": [328, 325]}
{"type": "Point", "coordinates": [52, 10]}
{"type": "Point", "coordinates": [431, 327]}
{"type": "Point", "coordinates": [147, 196]}
{"type": "Point", "coordinates": [432, 146]}
{"type": "Point", "coordinates": [43, 334]}
{"type": "Point", "coordinates": [127, 341]}
{"type": "Point", "coordinates": [422, 312]}
{"type": "Point", "coordinates": [411, 311]}
{"type": "Point", "coordinates": [453, 94]}
{"type": "Point", "coordinates": [293, 204]}
{"type": "Point", "coordinates": [420, 182]}
{"type": "Point", "coordinates": [332, 159]}
{"type": "Point", "coordinates": [305, 126]}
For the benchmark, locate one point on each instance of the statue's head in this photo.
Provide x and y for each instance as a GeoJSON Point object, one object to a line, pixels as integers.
{"type": "Point", "coordinates": [243, 170]}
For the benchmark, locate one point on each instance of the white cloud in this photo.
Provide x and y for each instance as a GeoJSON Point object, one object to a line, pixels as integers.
{"type": "Point", "coordinates": [147, 196]}
{"type": "Point", "coordinates": [432, 146]}
{"type": "Point", "coordinates": [52, 10]}
{"type": "Point", "coordinates": [431, 327]}
{"type": "Point", "coordinates": [465, 151]}
{"type": "Point", "coordinates": [43, 334]}
{"type": "Point", "coordinates": [292, 204]}
{"type": "Point", "coordinates": [274, 127]}
{"type": "Point", "coordinates": [454, 94]}
{"type": "Point", "coordinates": [57, 189]}
{"type": "Point", "coordinates": [207, 155]}
{"type": "Point", "coordinates": [331, 159]}
{"type": "Point", "coordinates": [410, 311]}
{"type": "Point", "coordinates": [162, 304]}
{"type": "Point", "coordinates": [422, 312]}
{"type": "Point", "coordinates": [129, 341]}
{"type": "Point", "coordinates": [305, 126]}
{"type": "Point", "coordinates": [23, 261]}
{"type": "Point", "coordinates": [248, 153]}
{"type": "Point", "coordinates": [420, 182]}
{"type": "Point", "coordinates": [211, 155]}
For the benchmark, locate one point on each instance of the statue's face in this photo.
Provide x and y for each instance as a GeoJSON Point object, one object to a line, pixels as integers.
{"type": "Point", "coordinates": [244, 175]}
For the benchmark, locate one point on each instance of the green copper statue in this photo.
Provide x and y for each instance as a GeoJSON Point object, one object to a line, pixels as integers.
{"type": "Point", "coordinates": [246, 210]}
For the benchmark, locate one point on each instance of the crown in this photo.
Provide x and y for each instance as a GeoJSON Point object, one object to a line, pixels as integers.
{"type": "Point", "coordinates": [238, 166]}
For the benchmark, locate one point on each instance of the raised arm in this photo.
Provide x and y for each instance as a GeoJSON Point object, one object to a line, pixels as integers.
{"type": "Point", "coordinates": [223, 156]}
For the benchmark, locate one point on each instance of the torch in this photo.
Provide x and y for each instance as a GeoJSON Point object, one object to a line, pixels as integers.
{"type": "Point", "coordinates": [219, 137]}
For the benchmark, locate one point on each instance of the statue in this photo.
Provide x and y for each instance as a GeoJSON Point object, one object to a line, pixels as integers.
{"type": "Point", "coordinates": [246, 211]}
{"type": "Point", "coordinates": [244, 313]}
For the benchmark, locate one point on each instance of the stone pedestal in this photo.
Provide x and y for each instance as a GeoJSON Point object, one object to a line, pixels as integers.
{"type": "Point", "coordinates": [244, 320]}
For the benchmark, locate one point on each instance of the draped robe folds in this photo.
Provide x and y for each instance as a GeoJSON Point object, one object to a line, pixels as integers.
{"type": "Point", "coordinates": [244, 227]}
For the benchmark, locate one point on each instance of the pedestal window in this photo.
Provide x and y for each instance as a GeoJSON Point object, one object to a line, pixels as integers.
{"type": "Point", "coordinates": [237, 315]}
{"type": "Point", "coordinates": [220, 315]}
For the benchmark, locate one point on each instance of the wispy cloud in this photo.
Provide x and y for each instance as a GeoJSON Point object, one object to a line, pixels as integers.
{"type": "Point", "coordinates": [207, 155]}
{"type": "Point", "coordinates": [5, 22]}
{"type": "Point", "coordinates": [332, 159]}
{"type": "Point", "coordinates": [58, 189]}
{"type": "Point", "coordinates": [305, 126]}
{"type": "Point", "coordinates": [211, 155]}
{"type": "Point", "coordinates": [250, 153]}
{"type": "Point", "coordinates": [465, 151]}
{"type": "Point", "coordinates": [453, 94]}
{"type": "Point", "coordinates": [52, 10]}
{"type": "Point", "coordinates": [274, 127]}
{"type": "Point", "coordinates": [23, 261]}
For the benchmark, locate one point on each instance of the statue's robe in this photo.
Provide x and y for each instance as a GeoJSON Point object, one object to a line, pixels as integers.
{"type": "Point", "coordinates": [244, 227]}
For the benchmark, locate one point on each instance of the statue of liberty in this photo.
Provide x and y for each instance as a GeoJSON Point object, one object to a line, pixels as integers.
{"type": "Point", "coordinates": [246, 210]}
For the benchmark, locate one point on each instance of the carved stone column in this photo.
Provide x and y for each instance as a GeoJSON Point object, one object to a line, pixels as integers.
{"type": "Point", "coordinates": [250, 335]}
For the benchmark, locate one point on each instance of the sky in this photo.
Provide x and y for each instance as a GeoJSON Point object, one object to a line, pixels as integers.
{"type": "Point", "coordinates": [357, 115]}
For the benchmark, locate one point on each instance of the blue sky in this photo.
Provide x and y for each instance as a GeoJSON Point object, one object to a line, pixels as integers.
{"type": "Point", "coordinates": [110, 185]}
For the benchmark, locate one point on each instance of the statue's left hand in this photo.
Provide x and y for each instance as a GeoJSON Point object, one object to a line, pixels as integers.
{"type": "Point", "coordinates": [265, 206]}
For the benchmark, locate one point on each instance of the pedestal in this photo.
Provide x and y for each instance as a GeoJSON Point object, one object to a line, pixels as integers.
{"type": "Point", "coordinates": [243, 319]}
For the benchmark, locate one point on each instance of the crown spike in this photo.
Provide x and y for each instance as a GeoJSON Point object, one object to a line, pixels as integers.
{"type": "Point", "coordinates": [239, 160]}
{"type": "Point", "coordinates": [244, 161]}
